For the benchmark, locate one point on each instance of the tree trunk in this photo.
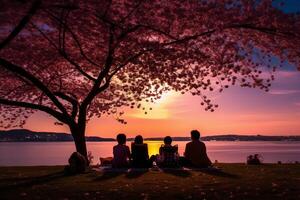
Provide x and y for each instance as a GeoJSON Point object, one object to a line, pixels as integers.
{"type": "Point", "coordinates": [78, 133]}
{"type": "Point", "coordinates": [80, 143]}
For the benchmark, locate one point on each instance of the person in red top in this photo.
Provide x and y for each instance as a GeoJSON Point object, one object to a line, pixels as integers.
{"type": "Point", "coordinates": [121, 153]}
{"type": "Point", "coordinates": [195, 152]}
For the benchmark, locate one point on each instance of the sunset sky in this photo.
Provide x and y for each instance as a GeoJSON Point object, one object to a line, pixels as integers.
{"type": "Point", "coordinates": [241, 111]}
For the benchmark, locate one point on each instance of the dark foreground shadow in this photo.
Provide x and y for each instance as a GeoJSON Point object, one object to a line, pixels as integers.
{"type": "Point", "coordinates": [180, 172]}
{"type": "Point", "coordinates": [107, 174]}
{"type": "Point", "coordinates": [14, 183]}
{"type": "Point", "coordinates": [111, 173]}
{"type": "Point", "coordinates": [177, 172]}
{"type": "Point", "coordinates": [135, 173]}
{"type": "Point", "coordinates": [217, 172]}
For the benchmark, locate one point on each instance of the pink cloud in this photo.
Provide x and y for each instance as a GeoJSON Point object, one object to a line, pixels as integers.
{"type": "Point", "coordinates": [283, 92]}
{"type": "Point", "coordinates": [287, 74]}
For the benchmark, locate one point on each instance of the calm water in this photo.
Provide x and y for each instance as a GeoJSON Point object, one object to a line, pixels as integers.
{"type": "Point", "coordinates": [57, 153]}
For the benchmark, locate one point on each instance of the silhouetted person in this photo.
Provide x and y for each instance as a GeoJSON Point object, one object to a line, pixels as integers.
{"type": "Point", "coordinates": [139, 155]}
{"type": "Point", "coordinates": [168, 154]}
{"type": "Point", "coordinates": [195, 152]}
{"type": "Point", "coordinates": [121, 153]}
{"type": "Point", "coordinates": [77, 164]}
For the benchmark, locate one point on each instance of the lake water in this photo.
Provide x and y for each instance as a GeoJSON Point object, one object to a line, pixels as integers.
{"type": "Point", "coordinates": [57, 153]}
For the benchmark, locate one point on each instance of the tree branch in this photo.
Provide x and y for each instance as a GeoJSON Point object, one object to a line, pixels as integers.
{"type": "Point", "coordinates": [75, 38]}
{"type": "Point", "coordinates": [268, 30]}
{"type": "Point", "coordinates": [21, 72]}
{"type": "Point", "coordinates": [76, 65]}
{"type": "Point", "coordinates": [46, 109]}
{"type": "Point", "coordinates": [71, 100]}
{"type": "Point", "coordinates": [107, 8]}
{"type": "Point", "coordinates": [132, 11]}
{"type": "Point", "coordinates": [64, 54]}
{"type": "Point", "coordinates": [133, 29]}
{"type": "Point", "coordinates": [34, 7]}
{"type": "Point", "coordinates": [103, 73]}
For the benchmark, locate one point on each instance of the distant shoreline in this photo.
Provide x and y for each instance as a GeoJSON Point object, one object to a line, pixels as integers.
{"type": "Point", "coordinates": [23, 135]}
{"type": "Point", "coordinates": [146, 140]}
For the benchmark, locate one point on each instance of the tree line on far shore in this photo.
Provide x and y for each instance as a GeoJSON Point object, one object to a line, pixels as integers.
{"type": "Point", "coordinates": [23, 135]}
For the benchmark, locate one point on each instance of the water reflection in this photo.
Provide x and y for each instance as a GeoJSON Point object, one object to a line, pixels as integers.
{"type": "Point", "coordinates": [153, 147]}
{"type": "Point", "coordinates": [57, 153]}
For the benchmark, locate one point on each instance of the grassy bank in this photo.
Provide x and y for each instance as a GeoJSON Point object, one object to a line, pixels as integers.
{"type": "Point", "coordinates": [236, 181]}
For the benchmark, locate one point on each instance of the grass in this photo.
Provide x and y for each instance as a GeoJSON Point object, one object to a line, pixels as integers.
{"type": "Point", "coordinates": [236, 181]}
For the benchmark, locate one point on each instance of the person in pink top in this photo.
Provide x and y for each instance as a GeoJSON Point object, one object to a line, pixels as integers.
{"type": "Point", "coordinates": [121, 153]}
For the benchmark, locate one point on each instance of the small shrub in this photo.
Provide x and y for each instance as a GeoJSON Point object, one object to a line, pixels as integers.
{"type": "Point", "coordinates": [255, 159]}
{"type": "Point", "coordinates": [90, 157]}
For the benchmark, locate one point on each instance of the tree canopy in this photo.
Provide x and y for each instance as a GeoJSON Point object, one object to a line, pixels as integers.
{"type": "Point", "coordinates": [78, 59]}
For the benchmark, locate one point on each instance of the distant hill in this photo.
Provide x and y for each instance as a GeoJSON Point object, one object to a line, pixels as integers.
{"type": "Point", "coordinates": [251, 138]}
{"type": "Point", "coordinates": [23, 135]}
{"type": "Point", "coordinates": [235, 138]}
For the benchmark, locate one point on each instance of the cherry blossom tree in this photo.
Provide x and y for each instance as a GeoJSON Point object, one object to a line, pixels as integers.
{"type": "Point", "coordinates": [75, 59]}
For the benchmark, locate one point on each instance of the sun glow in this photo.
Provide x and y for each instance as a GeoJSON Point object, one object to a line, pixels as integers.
{"type": "Point", "coordinates": [156, 110]}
